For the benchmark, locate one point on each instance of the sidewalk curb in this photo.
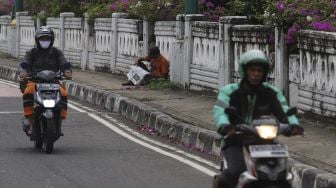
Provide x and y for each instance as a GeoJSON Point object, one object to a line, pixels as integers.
{"type": "Point", "coordinates": [188, 135]}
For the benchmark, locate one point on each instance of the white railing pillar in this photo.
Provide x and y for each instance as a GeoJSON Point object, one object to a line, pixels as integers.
{"type": "Point", "coordinates": [281, 61]}
{"type": "Point", "coordinates": [5, 32]}
{"type": "Point", "coordinates": [227, 48]}
{"type": "Point", "coordinates": [176, 63]}
{"type": "Point", "coordinates": [38, 20]}
{"type": "Point", "coordinates": [18, 32]}
{"type": "Point", "coordinates": [147, 32]}
{"type": "Point", "coordinates": [114, 42]}
{"type": "Point", "coordinates": [188, 46]}
{"type": "Point", "coordinates": [62, 28]}
{"type": "Point", "coordinates": [85, 42]}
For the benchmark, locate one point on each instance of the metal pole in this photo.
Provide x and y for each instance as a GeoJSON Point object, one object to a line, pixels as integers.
{"type": "Point", "coordinates": [190, 6]}
{"type": "Point", "coordinates": [18, 5]}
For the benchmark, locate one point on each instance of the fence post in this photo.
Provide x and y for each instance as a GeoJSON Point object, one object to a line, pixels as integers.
{"type": "Point", "coordinates": [38, 20]}
{"type": "Point", "coordinates": [18, 32]}
{"type": "Point", "coordinates": [62, 28]}
{"type": "Point", "coordinates": [281, 62]}
{"type": "Point", "coordinates": [114, 41]}
{"type": "Point", "coordinates": [176, 63]}
{"type": "Point", "coordinates": [147, 31]}
{"type": "Point", "coordinates": [188, 46]}
{"type": "Point", "coordinates": [86, 38]}
{"type": "Point", "coordinates": [145, 38]}
{"type": "Point", "coordinates": [5, 21]}
{"type": "Point", "coordinates": [227, 59]}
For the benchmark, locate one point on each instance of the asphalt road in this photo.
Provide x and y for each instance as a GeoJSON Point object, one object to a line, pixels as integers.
{"type": "Point", "coordinates": [89, 155]}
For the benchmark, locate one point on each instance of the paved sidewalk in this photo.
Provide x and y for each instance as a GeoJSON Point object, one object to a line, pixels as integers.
{"type": "Point", "coordinates": [316, 148]}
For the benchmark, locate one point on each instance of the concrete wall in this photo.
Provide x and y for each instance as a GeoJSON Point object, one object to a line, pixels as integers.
{"type": "Point", "coordinates": [25, 29]}
{"type": "Point", "coordinates": [312, 73]}
{"type": "Point", "coordinates": [202, 55]}
{"type": "Point", "coordinates": [4, 33]}
{"type": "Point", "coordinates": [200, 139]}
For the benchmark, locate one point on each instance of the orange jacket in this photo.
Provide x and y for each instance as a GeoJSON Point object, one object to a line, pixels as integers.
{"type": "Point", "coordinates": [159, 66]}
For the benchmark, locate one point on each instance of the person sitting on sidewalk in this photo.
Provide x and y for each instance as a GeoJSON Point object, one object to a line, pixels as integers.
{"type": "Point", "coordinates": [159, 66]}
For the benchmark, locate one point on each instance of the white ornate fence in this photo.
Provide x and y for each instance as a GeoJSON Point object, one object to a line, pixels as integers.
{"type": "Point", "coordinates": [26, 33]}
{"type": "Point", "coordinates": [165, 36]}
{"type": "Point", "coordinates": [4, 32]}
{"type": "Point", "coordinates": [128, 44]}
{"type": "Point", "coordinates": [73, 31]}
{"type": "Point", "coordinates": [205, 62]}
{"type": "Point", "coordinates": [101, 55]}
{"type": "Point", "coordinates": [54, 23]}
{"type": "Point", "coordinates": [313, 74]}
{"type": "Point", "coordinates": [247, 37]}
{"type": "Point", "coordinates": [202, 55]}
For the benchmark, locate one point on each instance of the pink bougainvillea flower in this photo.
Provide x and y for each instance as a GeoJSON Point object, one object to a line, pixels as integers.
{"type": "Point", "coordinates": [113, 7]}
{"type": "Point", "coordinates": [280, 6]}
{"type": "Point", "coordinates": [322, 26]}
{"type": "Point", "coordinates": [210, 5]}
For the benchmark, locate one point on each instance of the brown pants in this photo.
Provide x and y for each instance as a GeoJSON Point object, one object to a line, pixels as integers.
{"type": "Point", "coordinates": [28, 100]}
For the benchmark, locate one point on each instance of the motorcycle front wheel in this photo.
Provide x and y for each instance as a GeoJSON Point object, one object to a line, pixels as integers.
{"type": "Point", "coordinates": [267, 184]}
{"type": "Point", "coordinates": [38, 142]}
{"type": "Point", "coordinates": [49, 135]}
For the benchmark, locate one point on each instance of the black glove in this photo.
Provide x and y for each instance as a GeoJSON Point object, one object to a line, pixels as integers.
{"type": "Point", "coordinates": [293, 130]}
{"type": "Point", "coordinates": [225, 129]}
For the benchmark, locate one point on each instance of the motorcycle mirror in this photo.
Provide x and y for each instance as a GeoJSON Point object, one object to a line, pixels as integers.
{"type": "Point", "coordinates": [291, 111]}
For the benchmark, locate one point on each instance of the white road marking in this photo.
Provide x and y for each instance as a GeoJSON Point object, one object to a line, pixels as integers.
{"type": "Point", "coordinates": [143, 137]}
{"type": "Point", "coordinates": [9, 83]}
{"type": "Point", "coordinates": [129, 137]}
{"type": "Point", "coordinates": [174, 149]}
{"type": "Point", "coordinates": [140, 142]}
{"type": "Point", "coordinates": [11, 112]}
{"type": "Point", "coordinates": [75, 108]}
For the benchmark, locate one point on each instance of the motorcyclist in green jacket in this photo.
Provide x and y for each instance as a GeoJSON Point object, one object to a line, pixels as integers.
{"type": "Point", "coordinates": [253, 97]}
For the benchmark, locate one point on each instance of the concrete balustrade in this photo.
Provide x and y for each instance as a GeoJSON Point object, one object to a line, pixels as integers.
{"type": "Point", "coordinates": [202, 55]}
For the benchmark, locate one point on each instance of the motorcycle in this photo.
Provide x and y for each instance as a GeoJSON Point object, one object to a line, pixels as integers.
{"type": "Point", "coordinates": [47, 109]}
{"type": "Point", "coordinates": [265, 157]}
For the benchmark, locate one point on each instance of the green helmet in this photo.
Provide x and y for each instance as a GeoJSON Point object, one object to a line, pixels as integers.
{"type": "Point", "coordinates": [253, 57]}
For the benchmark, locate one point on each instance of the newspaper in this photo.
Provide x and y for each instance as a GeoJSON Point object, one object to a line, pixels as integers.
{"type": "Point", "coordinates": [136, 74]}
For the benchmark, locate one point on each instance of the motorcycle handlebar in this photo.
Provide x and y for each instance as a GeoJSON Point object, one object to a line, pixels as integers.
{"type": "Point", "coordinates": [33, 76]}
{"type": "Point", "coordinates": [283, 129]}
{"type": "Point", "coordinates": [246, 129]}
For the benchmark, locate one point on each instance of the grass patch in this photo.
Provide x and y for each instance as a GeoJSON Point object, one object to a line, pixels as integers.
{"type": "Point", "coordinates": [160, 84]}
{"type": "Point", "coordinates": [4, 55]}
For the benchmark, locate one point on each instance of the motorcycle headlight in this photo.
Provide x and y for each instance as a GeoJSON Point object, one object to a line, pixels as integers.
{"type": "Point", "coordinates": [49, 103]}
{"type": "Point", "coordinates": [267, 131]}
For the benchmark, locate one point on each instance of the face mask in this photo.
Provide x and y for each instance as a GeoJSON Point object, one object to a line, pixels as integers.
{"type": "Point", "coordinates": [44, 43]}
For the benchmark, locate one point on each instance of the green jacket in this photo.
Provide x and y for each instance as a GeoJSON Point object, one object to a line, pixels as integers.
{"type": "Point", "coordinates": [251, 104]}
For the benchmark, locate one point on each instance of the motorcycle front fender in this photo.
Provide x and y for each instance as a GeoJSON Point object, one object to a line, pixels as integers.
{"type": "Point", "coordinates": [49, 114]}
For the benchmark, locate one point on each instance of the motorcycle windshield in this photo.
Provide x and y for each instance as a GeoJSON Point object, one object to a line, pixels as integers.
{"type": "Point", "coordinates": [47, 75]}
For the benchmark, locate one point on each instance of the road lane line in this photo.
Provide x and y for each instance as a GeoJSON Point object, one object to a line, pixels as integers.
{"type": "Point", "coordinates": [9, 83]}
{"type": "Point", "coordinates": [176, 150]}
{"type": "Point", "coordinates": [11, 112]}
{"type": "Point", "coordinates": [159, 150]}
{"type": "Point", "coordinates": [75, 108]}
{"type": "Point", "coordinates": [131, 138]}
{"type": "Point", "coordinates": [143, 137]}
